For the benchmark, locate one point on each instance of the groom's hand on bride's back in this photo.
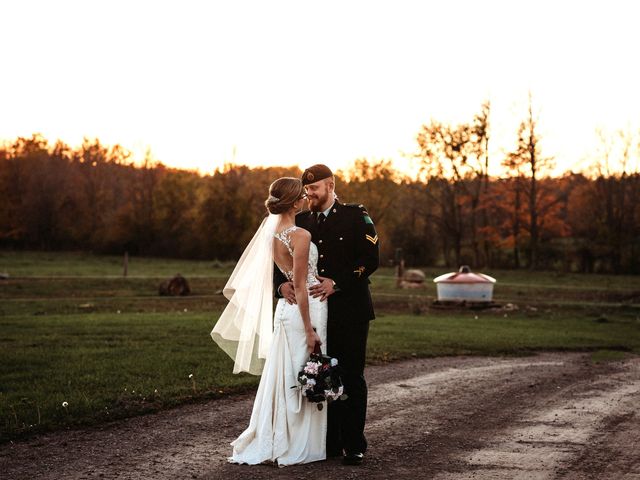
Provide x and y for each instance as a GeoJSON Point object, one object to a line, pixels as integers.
{"type": "Point", "coordinates": [288, 293]}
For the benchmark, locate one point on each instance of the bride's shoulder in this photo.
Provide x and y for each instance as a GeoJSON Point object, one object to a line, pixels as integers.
{"type": "Point", "coordinates": [300, 237]}
{"type": "Point", "coordinates": [301, 233]}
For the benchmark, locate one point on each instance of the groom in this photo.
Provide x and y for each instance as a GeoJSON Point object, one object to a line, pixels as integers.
{"type": "Point", "coordinates": [348, 252]}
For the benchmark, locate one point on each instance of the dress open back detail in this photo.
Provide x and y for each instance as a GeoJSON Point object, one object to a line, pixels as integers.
{"type": "Point", "coordinates": [312, 268]}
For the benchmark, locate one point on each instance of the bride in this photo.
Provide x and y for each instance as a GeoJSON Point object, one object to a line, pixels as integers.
{"type": "Point", "coordinates": [284, 428]}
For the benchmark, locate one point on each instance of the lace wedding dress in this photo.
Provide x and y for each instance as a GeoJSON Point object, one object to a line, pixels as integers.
{"type": "Point", "coordinates": [285, 427]}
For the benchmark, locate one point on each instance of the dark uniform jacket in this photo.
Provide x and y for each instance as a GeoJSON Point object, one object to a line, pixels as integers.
{"type": "Point", "coordinates": [348, 252]}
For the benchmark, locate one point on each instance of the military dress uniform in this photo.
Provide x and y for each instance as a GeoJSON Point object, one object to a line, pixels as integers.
{"type": "Point", "coordinates": [348, 252]}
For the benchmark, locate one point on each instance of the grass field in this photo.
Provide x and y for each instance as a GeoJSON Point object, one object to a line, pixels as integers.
{"type": "Point", "coordinates": [75, 331]}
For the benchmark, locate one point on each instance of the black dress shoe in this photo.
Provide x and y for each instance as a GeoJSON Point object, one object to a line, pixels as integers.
{"type": "Point", "coordinates": [353, 459]}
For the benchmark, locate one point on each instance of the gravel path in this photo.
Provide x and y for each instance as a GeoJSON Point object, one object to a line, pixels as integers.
{"type": "Point", "coordinates": [554, 415]}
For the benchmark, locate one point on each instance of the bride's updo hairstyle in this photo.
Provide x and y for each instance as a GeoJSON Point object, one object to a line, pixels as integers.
{"type": "Point", "coordinates": [283, 193]}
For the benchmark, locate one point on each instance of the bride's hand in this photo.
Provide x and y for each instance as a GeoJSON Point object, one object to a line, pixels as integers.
{"type": "Point", "coordinates": [312, 339]}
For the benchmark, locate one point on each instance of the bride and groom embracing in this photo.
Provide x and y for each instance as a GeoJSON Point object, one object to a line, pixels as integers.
{"type": "Point", "coordinates": [323, 258]}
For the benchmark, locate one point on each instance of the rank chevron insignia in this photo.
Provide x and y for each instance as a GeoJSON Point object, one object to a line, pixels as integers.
{"type": "Point", "coordinates": [373, 240]}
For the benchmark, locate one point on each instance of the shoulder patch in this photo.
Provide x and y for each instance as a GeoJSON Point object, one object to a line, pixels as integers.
{"type": "Point", "coordinates": [365, 215]}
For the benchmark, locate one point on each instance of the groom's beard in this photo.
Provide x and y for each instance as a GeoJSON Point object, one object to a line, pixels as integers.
{"type": "Point", "coordinates": [315, 204]}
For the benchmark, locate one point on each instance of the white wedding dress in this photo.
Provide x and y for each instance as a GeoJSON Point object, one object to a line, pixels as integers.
{"type": "Point", "coordinates": [285, 427]}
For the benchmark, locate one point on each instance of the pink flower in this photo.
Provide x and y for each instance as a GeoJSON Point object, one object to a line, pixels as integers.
{"type": "Point", "coordinates": [311, 368]}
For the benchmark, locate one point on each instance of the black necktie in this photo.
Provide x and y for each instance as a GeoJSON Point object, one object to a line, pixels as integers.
{"type": "Point", "coordinates": [321, 218]}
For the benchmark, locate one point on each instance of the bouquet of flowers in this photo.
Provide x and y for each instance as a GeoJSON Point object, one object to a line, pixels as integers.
{"type": "Point", "coordinates": [320, 379]}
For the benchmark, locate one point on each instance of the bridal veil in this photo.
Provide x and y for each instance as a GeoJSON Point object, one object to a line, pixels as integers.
{"type": "Point", "coordinates": [244, 330]}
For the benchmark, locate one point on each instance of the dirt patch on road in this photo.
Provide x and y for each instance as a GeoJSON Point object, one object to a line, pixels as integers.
{"type": "Point", "coordinates": [548, 416]}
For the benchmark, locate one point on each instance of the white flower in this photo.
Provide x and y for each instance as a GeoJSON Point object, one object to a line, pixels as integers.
{"type": "Point", "coordinates": [334, 362]}
{"type": "Point", "coordinates": [311, 382]}
{"type": "Point", "coordinates": [191, 375]}
{"type": "Point", "coordinates": [185, 310]}
{"type": "Point", "coordinates": [118, 311]}
{"type": "Point", "coordinates": [334, 395]}
{"type": "Point", "coordinates": [155, 391]}
{"type": "Point", "coordinates": [65, 404]}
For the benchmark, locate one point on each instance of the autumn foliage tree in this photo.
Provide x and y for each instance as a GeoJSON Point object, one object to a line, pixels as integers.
{"type": "Point", "coordinates": [529, 165]}
{"type": "Point", "coordinates": [603, 212]}
{"type": "Point", "coordinates": [454, 162]}
{"type": "Point", "coordinates": [94, 197]}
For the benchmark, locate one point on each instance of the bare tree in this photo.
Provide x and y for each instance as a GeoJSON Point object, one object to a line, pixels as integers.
{"type": "Point", "coordinates": [614, 191]}
{"type": "Point", "coordinates": [455, 159]}
{"type": "Point", "coordinates": [514, 165]}
{"type": "Point", "coordinates": [480, 185]}
{"type": "Point", "coordinates": [528, 158]}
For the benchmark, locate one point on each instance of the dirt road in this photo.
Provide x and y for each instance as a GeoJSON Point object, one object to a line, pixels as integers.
{"type": "Point", "coordinates": [542, 417]}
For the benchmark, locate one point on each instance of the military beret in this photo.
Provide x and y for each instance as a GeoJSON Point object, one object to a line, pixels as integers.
{"type": "Point", "coordinates": [316, 173]}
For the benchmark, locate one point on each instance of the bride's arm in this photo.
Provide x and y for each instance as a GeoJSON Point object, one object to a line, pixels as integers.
{"type": "Point", "coordinates": [300, 241]}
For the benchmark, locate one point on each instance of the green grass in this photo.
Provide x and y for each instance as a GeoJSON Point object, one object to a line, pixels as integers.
{"type": "Point", "coordinates": [49, 264]}
{"type": "Point", "coordinates": [110, 365]}
{"type": "Point", "coordinates": [601, 356]}
{"type": "Point", "coordinates": [395, 337]}
{"type": "Point", "coordinates": [74, 330]}
{"type": "Point", "coordinates": [106, 366]}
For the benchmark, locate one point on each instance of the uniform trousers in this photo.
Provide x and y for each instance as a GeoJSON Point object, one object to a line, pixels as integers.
{"type": "Point", "coordinates": [346, 418]}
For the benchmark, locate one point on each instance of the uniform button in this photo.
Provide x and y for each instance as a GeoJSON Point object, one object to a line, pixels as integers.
{"type": "Point", "coordinates": [340, 238]}
{"type": "Point", "coordinates": [321, 256]}
{"type": "Point", "coordinates": [320, 241]}
{"type": "Point", "coordinates": [322, 271]}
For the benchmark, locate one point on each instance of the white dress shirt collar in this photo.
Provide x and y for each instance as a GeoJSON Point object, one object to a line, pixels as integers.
{"type": "Point", "coordinates": [326, 212]}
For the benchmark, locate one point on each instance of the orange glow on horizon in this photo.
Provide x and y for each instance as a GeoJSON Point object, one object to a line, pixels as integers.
{"type": "Point", "coordinates": [202, 84]}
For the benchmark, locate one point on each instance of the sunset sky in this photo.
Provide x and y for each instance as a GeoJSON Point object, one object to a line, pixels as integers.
{"type": "Point", "coordinates": [202, 83]}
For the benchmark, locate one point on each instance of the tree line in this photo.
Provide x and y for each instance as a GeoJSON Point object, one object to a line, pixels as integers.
{"type": "Point", "coordinates": [453, 212]}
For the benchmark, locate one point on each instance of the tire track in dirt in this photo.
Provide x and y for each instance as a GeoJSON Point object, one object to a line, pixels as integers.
{"type": "Point", "coordinates": [546, 442]}
{"type": "Point", "coordinates": [612, 452]}
{"type": "Point", "coordinates": [428, 418]}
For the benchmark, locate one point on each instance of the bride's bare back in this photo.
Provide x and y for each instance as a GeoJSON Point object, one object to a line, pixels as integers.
{"type": "Point", "coordinates": [291, 252]}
